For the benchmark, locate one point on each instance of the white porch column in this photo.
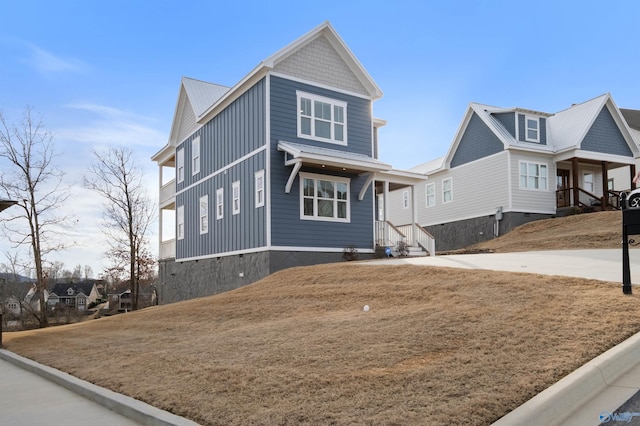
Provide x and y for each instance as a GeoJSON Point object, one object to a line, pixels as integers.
{"type": "Point", "coordinates": [160, 208]}
{"type": "Point", "coordinates": [414, 215]}
{"type": "Point", "coordinates": [385, 211]}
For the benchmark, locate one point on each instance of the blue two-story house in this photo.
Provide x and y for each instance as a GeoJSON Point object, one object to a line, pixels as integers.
{"type": "Point", "coordinates": [279, 170]}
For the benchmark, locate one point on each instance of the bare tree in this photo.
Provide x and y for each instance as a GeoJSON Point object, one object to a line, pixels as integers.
{"type": "Point", "coordinates": [128, 211]}
{"type": "Point", "coordinates": [33, 179]}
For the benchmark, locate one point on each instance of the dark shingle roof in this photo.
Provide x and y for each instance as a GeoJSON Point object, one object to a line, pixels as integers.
{"type": "Point", "coordinates": [61, 289]}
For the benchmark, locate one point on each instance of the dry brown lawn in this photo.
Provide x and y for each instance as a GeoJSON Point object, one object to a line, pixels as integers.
{"type": "Point", "coordinates": [439, 346]}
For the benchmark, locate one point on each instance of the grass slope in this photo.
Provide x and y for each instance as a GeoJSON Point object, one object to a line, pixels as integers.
{"type": "Point", "coordinates": [439, 346]}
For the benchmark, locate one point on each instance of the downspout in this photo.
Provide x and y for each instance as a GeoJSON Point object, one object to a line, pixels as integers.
{"type": "Point", "coordinates": [496, 228]}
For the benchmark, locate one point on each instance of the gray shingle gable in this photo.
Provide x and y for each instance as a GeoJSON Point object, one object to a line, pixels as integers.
{"type": "Point", "coordinates": [478, 141]}
{"type": "Point", "coordinates": [605, 136]}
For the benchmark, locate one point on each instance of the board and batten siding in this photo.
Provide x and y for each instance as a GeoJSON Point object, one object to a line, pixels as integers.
{"type": "Point", "coordinates": [240, 232]}
{"type": "Point", "coordinates": [287, 228]}
{"type": "Point", "coordinates": [234, 136]}
{"type": "Point", "coordinates": [528, 200]}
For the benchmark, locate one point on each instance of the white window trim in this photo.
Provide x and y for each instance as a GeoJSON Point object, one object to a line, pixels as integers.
{"type": "Point", "coordinates": [316, 177]}
{"type": "Point", "coordinates": [204, 214]}
{"type": "Point", "coordinates": [526, 128]}
{"type": "Point", "coordinates": [426, 194]}
{"type": "Point", "coordinates": [444, 200]}
{"type": "Point", "coordinates": [259, 201]}
{"type": "Point", "coordinates": [180, 221]}
{"type": "Point", "coordinates": [584, 181]}
{"type": "Point", "coordinates": [195, 155]}
{"type": "Point", "coordinates": [219, 203]}
{"type": "Point", "coordinates": [546, 178]}
{"type": "Point", "coordinates": [180, 165]}
{"type": "Point", "coordinates": [333, 103]}
{"type": "Point", "coordinates": [405, 199]}
{"type": "Point", "coordinates": [235, 193]}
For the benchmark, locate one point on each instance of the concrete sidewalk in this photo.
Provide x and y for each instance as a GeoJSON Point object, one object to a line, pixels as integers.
{"type": "Point", "coordinates": [34, 394]}
{"type": "Point", "coordinates": [599, 387]}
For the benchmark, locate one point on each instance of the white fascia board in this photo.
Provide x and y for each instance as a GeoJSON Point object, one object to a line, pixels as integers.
{"type": "Point", "coordinates": [234, 93]}
{"type": "Point", "coordinates": [595, 156]}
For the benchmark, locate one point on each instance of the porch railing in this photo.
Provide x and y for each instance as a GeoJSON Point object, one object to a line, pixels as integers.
{"type": "Point", "coordinates": [412, 234]}
{"type": "Point", "coordinates": [565, 198]}
{"type": "Point", "coordinates": [167, 249]}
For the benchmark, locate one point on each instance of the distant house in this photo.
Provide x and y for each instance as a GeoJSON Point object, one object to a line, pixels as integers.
{"type": "Point", "coordinates": [77, 296]}
{"type": "Point", "coordinates": [509, 166]}
{"type": "Point", "coordinates": [279, 170]}
{"type": "Point", "coordinates": [122, 301]}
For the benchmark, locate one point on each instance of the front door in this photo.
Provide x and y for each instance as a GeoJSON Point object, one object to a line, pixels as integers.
{"type": "Point", "coordinates": [563, 190]}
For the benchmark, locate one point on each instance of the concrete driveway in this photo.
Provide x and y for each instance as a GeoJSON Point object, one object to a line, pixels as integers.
{"type": "Point", "coordinates": [604, 265]}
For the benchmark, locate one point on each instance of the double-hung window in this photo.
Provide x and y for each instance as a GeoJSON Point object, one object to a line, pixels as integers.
{"type": "Point", "coordinates": [219, 203]}
{"type": "Point", "coordinates": [236, 197]}
{"type": "Point", "coordinates": [447, 190]}
{"type": "Point", "coordinates": [532, 129]}
{"type": "Point", "coordinates": [588, 182]}
{"type": "Point", "coordinates": [322, 119]}
{"type": "Point", "coordinates": [195, 155]}
{"type": "Point", "coordinates": [204, 214]}
{"type": "Point", "coordinates": [533, 176]}
{"type": "Point", "coordinates": [405, 199]}
{"type": "Point", "coordinates": [180, 223]}
{"type": "Point", "coordinates": [430, 194]}
{"type": "Point", "coordinates": [324, 198]}
{"type": "Point", "coordinates": [180, 165]}
{"type": "Point", "coordinates": [259, 182]}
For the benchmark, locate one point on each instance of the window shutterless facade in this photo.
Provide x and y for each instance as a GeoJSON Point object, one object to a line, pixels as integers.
{"type": "Point", "coordinates": [236, 197]}
{"type": "Point", "coordinates": [532, 129]}
{"type": "Point", "coordinates": [180, 222]}
{"type": "Point", "coordinates": [219, 203]}
{"type": "Point", "coordinates": [180, 164]}
{"type": "Point", "coordinates": [195, 155]}
{"type": "Point", "coordinates": [430, 194]}
{"type": "Point", "coordinates": [204, 214]}
{"type": "Point", "coordinates": [533, 176]}
{"type": "Point", "coordinates": [324, 198]}
{"type": "Point", "coordinates": [259, 183]}
{"type": "Point", "coordinates": [447, 190]}
{"type": "Point", "coordinates": [322, 119]}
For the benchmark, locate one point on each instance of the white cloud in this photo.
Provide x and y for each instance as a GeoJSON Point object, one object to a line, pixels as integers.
{"type": "Point", "coordinates": [48, 62]}
{"type": "Point", "coordinates": [112, 127]}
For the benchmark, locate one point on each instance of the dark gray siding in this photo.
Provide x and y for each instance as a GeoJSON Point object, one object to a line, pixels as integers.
{"type": "Point", "coordinates": [243, 231]}
{"type": "Point", "coordinates": [284, 118]}
{"type": "Point", "coordinates": [287, 229]}
{"type": "Point", "coordinates": [231, 135]}
{"type": "Point", "coordinates": [508, 120]}
{"type": "Point", "coordinates": [605, 136]}
{"type": "Point", "coordinates": [478, 141]}
{"type": "Point", "coordinates": [522, 129]}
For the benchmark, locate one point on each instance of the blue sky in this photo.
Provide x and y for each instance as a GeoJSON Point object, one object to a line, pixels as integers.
{"type": "Point", "coordinates": [105, 73]}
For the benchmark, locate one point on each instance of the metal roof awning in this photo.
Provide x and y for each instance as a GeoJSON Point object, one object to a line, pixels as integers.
{"type": "Point", "coordinates": [297, 155]}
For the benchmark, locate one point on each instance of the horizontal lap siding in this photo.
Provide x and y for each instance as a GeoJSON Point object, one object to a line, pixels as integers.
{"type": "Point", "coordinates": [287, 228]}
{"type": "Point", "coordinates": [231, 135]}
{"type": "Point", "coordinates": [479, 188]}
{"type": "Point", "coordinates": [533, 201]}
{"type": "Point", "coordinates": [478, 141]}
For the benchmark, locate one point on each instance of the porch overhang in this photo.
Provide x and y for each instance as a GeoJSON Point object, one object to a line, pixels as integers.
{"type": "Point", "coordinates": [297, 155]}
{"type": "Point", "coordinates": [613, 161]}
